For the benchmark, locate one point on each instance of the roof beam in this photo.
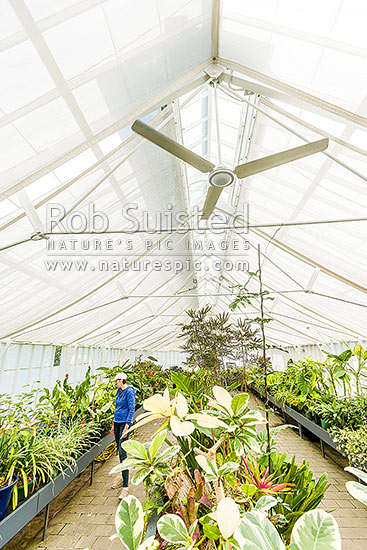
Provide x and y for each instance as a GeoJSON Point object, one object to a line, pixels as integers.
{"type": "Point", "coordinates": [308, 261]}
{"type": "Point", "coordinates": [173, 89]}
{"type": "Point", "coordinates": [311, 38]}
{"type": "Point", "coordinates": [309, 126]}
{"type": "Point", "coordinates": [216, 9]}
{"type": "Point", "coordinates": [348, 116]}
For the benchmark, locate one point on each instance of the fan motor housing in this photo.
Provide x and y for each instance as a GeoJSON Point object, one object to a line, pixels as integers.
{"type": "Point", "coordinates": [221, 177]}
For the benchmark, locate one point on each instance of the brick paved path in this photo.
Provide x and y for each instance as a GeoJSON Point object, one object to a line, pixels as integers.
{"type": "Point", "coordinates": [87, 520]}
{"type": "Point", "coordinates": [350, 514]}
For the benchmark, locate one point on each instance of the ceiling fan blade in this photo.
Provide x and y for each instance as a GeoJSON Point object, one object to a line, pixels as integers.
{"type": "Point", "coordinates": [211, 200]}
{"type": "Point", "coordinates": [172, 147]}
{"type": "Point", "coordinates": [259, 165]}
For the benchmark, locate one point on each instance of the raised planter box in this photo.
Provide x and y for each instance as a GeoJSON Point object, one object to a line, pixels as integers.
{"type": "Point", "coordinates": [303, 422]}
{"type": "Point", "coordinates": [26, 511]}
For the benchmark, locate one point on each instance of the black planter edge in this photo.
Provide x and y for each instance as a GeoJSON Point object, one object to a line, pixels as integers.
{"type": "Point", "coordinates": [151, 526]}
{"type": "Point", "coordinates": [30, 507]}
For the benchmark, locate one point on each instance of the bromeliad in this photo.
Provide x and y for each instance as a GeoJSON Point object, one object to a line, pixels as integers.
{"type": "Point", "coordinates": [261, 479]}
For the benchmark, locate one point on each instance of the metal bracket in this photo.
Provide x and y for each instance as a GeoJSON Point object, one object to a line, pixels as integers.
{"type": "Point", "coordinates": [214, 70]}
{"type": "Point", "coordinates": [38, 236]}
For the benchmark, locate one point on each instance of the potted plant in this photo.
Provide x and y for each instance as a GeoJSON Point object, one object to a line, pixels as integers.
{"type": "Point", "coordinates": [9, 452]}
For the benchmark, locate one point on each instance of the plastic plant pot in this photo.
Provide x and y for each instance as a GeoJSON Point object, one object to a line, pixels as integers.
{"type": "Point", "coordinates": [21, 495]}
{"type": "Point", "coordinates": [325, 425]}
{"type": "Point", "coordinates": [5, 494]}
{"type": "Point", "coordinates": [309, 415]}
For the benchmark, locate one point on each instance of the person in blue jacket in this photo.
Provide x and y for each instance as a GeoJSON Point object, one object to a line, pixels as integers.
{"type": "Point", "coordinates": [122, 420]}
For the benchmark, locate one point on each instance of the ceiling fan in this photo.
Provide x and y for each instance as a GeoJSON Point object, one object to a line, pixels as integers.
{"type": "Point", "coordinates": [221, 176]}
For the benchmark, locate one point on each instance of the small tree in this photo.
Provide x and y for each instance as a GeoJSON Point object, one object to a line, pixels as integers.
{"type": "Point", "coordinates": [208, 339]}
{"type": "Point", "coordinates": [246, 342]}
{"type": "Point", "coordinates": [245, 298]}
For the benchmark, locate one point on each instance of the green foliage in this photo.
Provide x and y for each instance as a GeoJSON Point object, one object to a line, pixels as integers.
{"type": "Point", "coordinates": [357, 490]}
{"type": "Point", "coordinates": [343, 412]}
{"type": "Point", "coordinates": [194, 386]}
{"type": "Point", "coordinates": [306, 494]}
{"type": "Point", "coordinates": [146, 376]}
{"type": "Point", "coordinates": [147, 460]}
{"type": "Point", "coordinates": [353, 444]}
{"type": "Point", "coordinates": [129, 523]}
{"type": "Point", "coordinates": [208, 339]}
{"type": "Point", "coordinates": [173, 529]}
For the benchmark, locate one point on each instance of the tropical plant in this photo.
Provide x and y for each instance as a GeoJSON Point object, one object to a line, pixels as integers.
{"type": "Point", "coordinates": [336, 367]}
{"type": "Point", "coordinates": [353, 444]}
{"type": "Point", "coordinates": [194, 386]}
{"type": "Point", "coordinates": [355, 489]}
{"type": "Point", "coordinates": [260, 478]}
{"type": "Point", "coordinates": [66, 401]}
{"type": "Point", "coordinates": [130, 528]}
{"type": "Point", "coordinates": [176, 413]}
{"type": "Point", "coordinates": [306, 494]}
{"type": "Point", "coordinates": [341, 413]}
{"type": "Point", "coordinates": [315, 529]}
{"type": "Point", "coordinates": [360, 371]}
{"type": "Point", "coordinates": [209, 338]}
{"type": "Point", "coordinates": [239, 419]}
{"type": "Point", "coordinates": [151, 463]}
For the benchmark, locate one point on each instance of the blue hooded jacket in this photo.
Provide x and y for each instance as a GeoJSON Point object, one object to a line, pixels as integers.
{"type": "Point", "coordinates": [125, 405]}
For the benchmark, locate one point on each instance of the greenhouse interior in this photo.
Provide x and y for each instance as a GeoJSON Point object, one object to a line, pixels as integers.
{"type": "Point", "coordinates": [183, 341]}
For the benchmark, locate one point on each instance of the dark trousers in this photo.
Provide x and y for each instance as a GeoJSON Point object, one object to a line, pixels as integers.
{"type": "Point", "coordinates": [118, 429]}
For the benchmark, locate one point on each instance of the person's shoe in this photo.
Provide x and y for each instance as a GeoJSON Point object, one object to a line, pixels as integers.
{"type": "Point", "coordinates": [117, 483]}
{"type": "Point", "coordinates": [124, 493]}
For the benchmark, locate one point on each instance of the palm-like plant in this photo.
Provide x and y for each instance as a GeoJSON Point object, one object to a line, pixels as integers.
{"type": "Point", "coordinates": [208, 339]}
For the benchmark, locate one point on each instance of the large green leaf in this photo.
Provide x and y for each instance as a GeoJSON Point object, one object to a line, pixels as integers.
{"type": "Point", "coordinates": [211, 531]}
{"type": "Point", "coordinates": [149, 544]}
{"type": "Point", "coordinates": [238, 402]}
{"type": "Point", "coordinates": [140, 475]}
{"type": "Point", "coordinates": [157, 443]}
{"type": "Point", "coordinates": [358, 473]}
{"type": "Point", "coordinates": [316, 530]}
{"type": "Point", "coordinates": [228, 468]}
{"type": "Point", "coordinates": [357, 490]}
{"type": "Point", "coordinates": [136, 449]}
{"type": "Point", "coordinates": [168, 453]}
{"type": "Point", "coordinates": [265, 503]}
{"type": "Point", "coordinates": [172, 528]}
{"type": "Point", "coordinates": [127, 464]}
{"type": "Point", "coordinates": [129, 522]}
{"type": "Point", "coordinates": [256, 532]}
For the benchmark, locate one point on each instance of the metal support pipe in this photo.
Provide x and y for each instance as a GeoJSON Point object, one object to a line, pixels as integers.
{"type": "Point", "coordinates": [47, 513]}
{"type": "Point", "coordinates": [91, 473]}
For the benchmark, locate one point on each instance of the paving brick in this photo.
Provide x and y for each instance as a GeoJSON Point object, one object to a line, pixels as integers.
{"type": "Point", "coordinates": [86, 542]}
{"type": "Point", "coordinates": [103, 543]}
